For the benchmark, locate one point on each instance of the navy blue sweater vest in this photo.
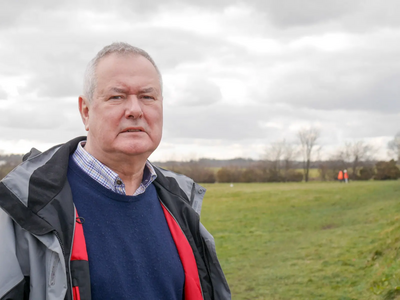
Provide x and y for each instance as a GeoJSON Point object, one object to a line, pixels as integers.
{"type": "Point", "coordinates": [131, 251]}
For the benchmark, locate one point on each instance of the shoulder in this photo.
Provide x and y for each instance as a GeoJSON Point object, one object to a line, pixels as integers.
{"type": "Point", "coordinates": [47, 169]}
{"type": "Point", "coordinates": [181, 185]}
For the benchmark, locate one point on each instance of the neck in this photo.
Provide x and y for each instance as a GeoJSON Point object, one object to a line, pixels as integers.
{"type": "Point", "coordinates": [128, 167]}
{"type": "Point", "coordinates": [132, 180]}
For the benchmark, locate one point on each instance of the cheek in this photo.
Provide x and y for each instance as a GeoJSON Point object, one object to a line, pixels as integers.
{"type": "Point", "coordinates": [159, 127]}
{"type": "Point", "coordinates": [155, 122]}
{"type": "Point", "coordinates": [103, 125]}
{"type": "Point", "coordinates": [109, 119]}
{"type": "Point", "coordinates": [153, 114]}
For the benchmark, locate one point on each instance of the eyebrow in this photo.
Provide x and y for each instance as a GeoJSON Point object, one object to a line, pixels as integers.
{"type": "Point", "coordinates": [124, 90]}
{"type": "Point", "coordinates": [118, 90]}
{"type": "Point", "coordinates": [147, 90]}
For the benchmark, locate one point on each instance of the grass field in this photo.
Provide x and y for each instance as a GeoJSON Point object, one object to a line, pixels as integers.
{"type": "Point", "coordinates": [307, 240]}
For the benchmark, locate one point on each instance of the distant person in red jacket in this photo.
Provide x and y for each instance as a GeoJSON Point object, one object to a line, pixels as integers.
{"type": "Point", "coordinates": [340, 176]}
{"type": "Point", "coordinates": [346, 176]}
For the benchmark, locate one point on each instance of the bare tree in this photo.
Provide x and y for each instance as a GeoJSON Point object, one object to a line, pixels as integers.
{"type": "Point", "coordinates": [357, 152]}
{"type": "Point", "coordinates": [394, 147]}
{"type": "Point", "coordinates": [279, 158]}
{"type": "Point", "coordinates": [308, 138]}
{"type": "Point", "coordinates": [289, 152]}
{"type": "Point", "coordinates": [273, 155]}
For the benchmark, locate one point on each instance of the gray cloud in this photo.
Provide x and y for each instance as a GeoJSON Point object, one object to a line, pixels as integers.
{"type": "Point", "coordinates": [282, 14]}
{"type": "Point", "coordinates": [38, 115]}
{"type": "Point", "coordinates": [373, 94]}
{"type": "Point", "coordinates": [218, 121]}
{"type": "Point", "coordinates": [13, 13]}
{"type": "Point", "coordinates": [59, 72]}
{"type": "Point", "coordinates": [3, 94]}
{"type": "Point", "coordinates": [286, 13]}
{"type": "Point", "coordinates": [362, 79]}
{"type": "Point", "coordinates": [197, 92]}
{"type": "Point", "coordinates": [269, 123]}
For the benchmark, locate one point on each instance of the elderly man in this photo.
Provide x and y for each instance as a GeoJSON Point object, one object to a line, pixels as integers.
{"type": "Point", "coordinates": [93, 218]}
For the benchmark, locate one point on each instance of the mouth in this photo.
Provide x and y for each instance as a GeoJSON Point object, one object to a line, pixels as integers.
{"type": "Point", "coordinates": [138, 129]}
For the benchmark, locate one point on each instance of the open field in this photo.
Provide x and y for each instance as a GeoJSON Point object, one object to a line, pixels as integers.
{"type": "Point", "coordinates": [307, 240]}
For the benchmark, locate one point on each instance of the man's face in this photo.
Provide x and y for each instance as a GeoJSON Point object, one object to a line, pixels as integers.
{"type": "Point", "coordinates": [125, 116]}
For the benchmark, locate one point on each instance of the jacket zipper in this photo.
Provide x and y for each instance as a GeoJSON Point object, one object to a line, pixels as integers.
{"type": "Point", "coordinates": [55, 262]}
{"type": "Point", "coordinates": [69, 258]}
{"type": "Point", "coordinates": [201, 288]}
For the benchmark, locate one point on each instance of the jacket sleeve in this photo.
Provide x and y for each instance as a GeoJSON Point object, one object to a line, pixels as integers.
{"type": "Point", "coordinates": [219, 283]}
{"type": "Point", "coordinates": [13, 284]}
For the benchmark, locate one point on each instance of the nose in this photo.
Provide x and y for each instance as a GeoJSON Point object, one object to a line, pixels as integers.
{"type": "Point", "coordinates": [133, 108]}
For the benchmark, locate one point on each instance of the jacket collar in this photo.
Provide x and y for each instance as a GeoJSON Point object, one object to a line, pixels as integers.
{"type": "Point", "coordinates": [29, 188]}
{"type": "Point", "coordinates": [48, 180]}
{"type": "Point", "coordinates": [181, 186]}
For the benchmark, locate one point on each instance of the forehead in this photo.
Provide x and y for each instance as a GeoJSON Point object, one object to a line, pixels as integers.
{"type": "Point", "coordinates": [129, 68]}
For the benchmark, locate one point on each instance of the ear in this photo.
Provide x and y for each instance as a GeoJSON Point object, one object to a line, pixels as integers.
{"type": "Point", "coordinates": [84, 107]}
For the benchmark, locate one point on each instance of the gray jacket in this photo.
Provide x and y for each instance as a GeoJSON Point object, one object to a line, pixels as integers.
{"type": "Point", "coordinates": [37, 223]}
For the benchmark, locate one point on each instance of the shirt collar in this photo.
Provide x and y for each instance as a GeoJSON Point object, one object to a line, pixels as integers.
{"type": "Point", "coordinates": [107, 177]}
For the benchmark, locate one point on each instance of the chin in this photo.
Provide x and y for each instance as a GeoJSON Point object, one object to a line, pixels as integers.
{"type": "Point", "coordinates": [138, 147]}
{"type": "Point", "coordinates": [136, 150]}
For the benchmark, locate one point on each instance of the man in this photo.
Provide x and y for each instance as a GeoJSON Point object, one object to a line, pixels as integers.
{"type": "Point", "coordinates": [346, 176]}
{"type": "Point", "coordinates": [92, 218]}
{"type": "Point", "coordinates": [340, 176]}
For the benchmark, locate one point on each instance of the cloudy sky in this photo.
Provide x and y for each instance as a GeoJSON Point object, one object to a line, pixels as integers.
{"type": "Point", "coordinates": [238, 75]}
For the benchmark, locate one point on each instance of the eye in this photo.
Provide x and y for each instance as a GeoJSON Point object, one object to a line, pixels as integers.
{"type": "Point", "coordinates": [117, 97]}
{"type": "Point", "coordinates": [148, 97]}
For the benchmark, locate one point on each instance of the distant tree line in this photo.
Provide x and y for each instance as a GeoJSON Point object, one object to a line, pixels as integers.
{"type": "Point", "coordinates": [281, 164]}
{"type": "Point", "coordinates": [267, 171]}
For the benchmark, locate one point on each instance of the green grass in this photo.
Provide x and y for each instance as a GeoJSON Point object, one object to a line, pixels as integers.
{"type": "Point", "coordinates": [307, 240]}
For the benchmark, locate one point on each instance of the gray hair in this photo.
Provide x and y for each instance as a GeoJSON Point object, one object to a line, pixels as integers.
{"type": "Point", "coordinates": [89, 80]}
